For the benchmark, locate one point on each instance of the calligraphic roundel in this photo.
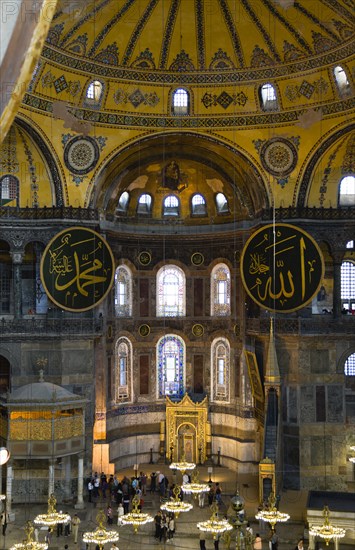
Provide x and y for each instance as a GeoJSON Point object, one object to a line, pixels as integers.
{"type": "Point", "coordinates": [281, 267]}
{"type": "Point", "coordinates": [77, 269]}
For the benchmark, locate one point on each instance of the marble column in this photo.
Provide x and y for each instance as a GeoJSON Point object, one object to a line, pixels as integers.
{"type": "Point", "coordinates": [337, 261]}
{"type": "Point", "coordinates": [67, 477]}
{"type": "Point", "coordinates": [311, 542]}
{"type": "Point", "coordinates": [51, 477]}
{"type": "Point", "coordinates": [9, 477]}
{"type": "Point", "coordinates": [80, 501]}
{"type": "Point", "coordinates": [17, 284]}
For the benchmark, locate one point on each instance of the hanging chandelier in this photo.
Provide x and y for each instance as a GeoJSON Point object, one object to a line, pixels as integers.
{"type": "Point", "coordinates": [175, 505]}
{"type": "Point", "coordinates": [52, 517]}
{"type": "Point", "coordinates": [101, 535]}
{"type": "Point", "coordinates": [215, 525]}
{"type": "Point", "coordinates": [195, 487]}
{"type": "Point", "coordinates": [326, 531]}
{"type": "Point", "coordinates": [136, 517]}
{"type": "Point", "coordinates": [271, 514]}
{"type": "Point", "coordinates": [182, 466]}
{"type": "Point", "coordinates": [29, 543]}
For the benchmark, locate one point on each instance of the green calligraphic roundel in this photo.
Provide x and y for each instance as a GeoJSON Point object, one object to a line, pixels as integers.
{"type": "Point", "coordinates": [281, 267]}
{"type": "Point", "coordinates": [77, 269]}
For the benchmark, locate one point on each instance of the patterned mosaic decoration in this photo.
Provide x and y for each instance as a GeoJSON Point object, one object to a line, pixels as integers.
{"type": "Point", "coordinates": [278, 156]}
{"type": "Point", "coordinates": [136, 98]}
{"type": "Point", "coordinates": [81, 154]}
{"type": "Point", "coordinates": [224, 99]}
{"type": "Point", "coordinates": [307, 89]}
{"type": "Point", "coordinates": [32, 168]}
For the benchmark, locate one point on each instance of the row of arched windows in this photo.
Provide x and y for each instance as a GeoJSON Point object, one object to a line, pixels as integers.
{"type": "Point", "coordinates": [171, 291]}
{"type": "Point", "coordinates": [181, 100]}
{"type": "Point", "coordinates": [171, 204]}
{"type": "Point", "coordinates": [171, 368]}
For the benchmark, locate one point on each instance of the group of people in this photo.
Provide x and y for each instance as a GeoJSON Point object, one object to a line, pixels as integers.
{"type": "Point", "coordinates": [164, 527]}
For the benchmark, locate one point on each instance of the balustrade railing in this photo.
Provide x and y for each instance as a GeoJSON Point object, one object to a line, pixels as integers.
{"type": "Point", "coordinates": [45, 326]}
{"type": "Point", "coordinates": [317, 324]}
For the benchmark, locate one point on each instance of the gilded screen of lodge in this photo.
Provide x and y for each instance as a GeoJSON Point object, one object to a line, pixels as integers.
{"type": "Point", "coordinates": [45, 425]}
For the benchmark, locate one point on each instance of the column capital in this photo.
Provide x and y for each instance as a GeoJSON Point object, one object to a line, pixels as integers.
{"type": "Point", "coordinates": [17, 256]}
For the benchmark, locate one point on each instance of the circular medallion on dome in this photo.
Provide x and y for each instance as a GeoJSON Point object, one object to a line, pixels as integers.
{"type": "Point", "coordinates": [144, 258]}
{"type": "Point", "coordinates": [281, 267]}
{"type": "Point", "coordinates": [77, 269]}
{"type": "Point", "coordinates": [81, 155]}
{"type": "Point", "coordinates": [278, 156]}
{"type": "Point", "coordinates": [197, 258]}
{"type": "Point", "coordinates": [144, 330]}
{"type": "Point", "coordinates": [198, 330]}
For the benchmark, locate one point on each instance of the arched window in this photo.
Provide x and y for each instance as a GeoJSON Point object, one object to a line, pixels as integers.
{"type": "Point", "coordinates": [220, 291]}
{"type": "Point", "coordinates": [268, 97]}
{"type": "Point", "coordinates": [144, 204]}
{"type": "Point", "coordinates": [198, 205]}
{"type": "Point", "coordinates": [181, 102]}
{"type": "Point", "coordinates": [221, 203]}
{"type": "Point", "coordinates": [350, 244]}
{"type": "Point", "coordinates": [349, 366]}
{"type": "Point", "coordinates": [123, 202]}
{"type": "Point", "coordinates": [94, 93]}
{"type": "Point", "coordinates": [9, 190]}
{"type": "Point", "coordinates": [171, 289]}
{"type": "Point", "coordinates": [347, 191]}
{"type": "Point", "coordinates": [123, 370]}
{"type": "Point", "coordinates": [171, 206]}
{"type": "Point", "coordinates": [347, 278]}
{"type": "Point", "coordinates": [123, 292]}
{"type": "Point", "coordinates": [341, 80]}
{"type": "Point", "coordinates": [220, 361]}
{"type": "Point", "coordinates": [171, 366]}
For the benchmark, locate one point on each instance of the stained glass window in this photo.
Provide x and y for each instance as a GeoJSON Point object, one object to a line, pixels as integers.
{"type": "Point", "coordinates": [220, 291]}
{"type": "Point", "coordinates": [171, 292]}
{"type": "Point", "coordinates": [171, 361]}
{"type": "Point", "coordinates": [123, 292]}
{"type": "Point", "coordinates": [220, 369]}
{"type": "Point", "coordinates": [123, 377]}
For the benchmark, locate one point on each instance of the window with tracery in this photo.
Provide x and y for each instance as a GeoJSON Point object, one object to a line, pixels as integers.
{"type": "Point", "coordinates": [347, 282]}
{"type": "Point", "coordinates": [347, 191]}
{"type": "Point", "coordinates": [171, 288]}
{"type": "Point", "coordinates": [144, 204]}
{"type": "Point", "coordinates": [220, 361]}
{"type": "Point", "coordinates": [94, 94]}
{"type": "Point", "coordinates": [220, 291]}
{"type": "Point", "coordinates": [123, 292]}
{"type": "Point", "coordinates": [221, 203]}
{"type": "Point", "coordinates": [198, 205]}
{"type": "Point", "coordinates": [349, 366]}
{"type": "Point", "coordinates": [9, 190]}
{"type": "Point", "coordinates": [171, 366]}
{"type": "Point", "coordinates": [123, 202]}
{"type": "Point", "coordinates": [171, 206]}
{"type": "Point", "coordinates": [268, 97]}
{"type": "Point", "coordinates": [123, 371]}
{"type": "Point", "coordinates": [180, 104]}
